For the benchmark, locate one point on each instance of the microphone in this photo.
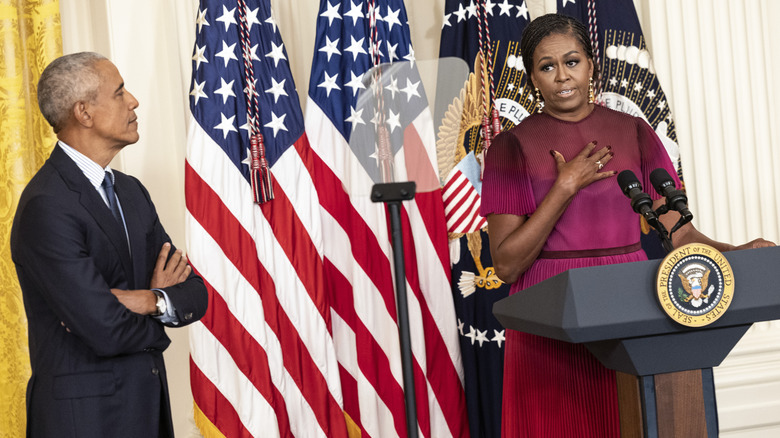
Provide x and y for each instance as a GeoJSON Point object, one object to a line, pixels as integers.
{"type": "Point", "coordinates": [640, 201]}
{"type": "Point", "coordinates": [643, 204]}
{"type": "Point", "coordinates": [675, 199]}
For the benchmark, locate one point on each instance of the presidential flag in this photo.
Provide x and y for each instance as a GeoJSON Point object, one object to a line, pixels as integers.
{"type": "Point", "coordinates": [366, 99]}
{"type": "Point", "coordinates": [627, 82]}
{"type": "Point", "coordinates": [263, 360]}
{"type": "Point", "coordinates": [486, 35]}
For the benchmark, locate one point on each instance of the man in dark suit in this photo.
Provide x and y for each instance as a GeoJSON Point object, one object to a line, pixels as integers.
{"type": "Point", "coordinates": [98, 273]}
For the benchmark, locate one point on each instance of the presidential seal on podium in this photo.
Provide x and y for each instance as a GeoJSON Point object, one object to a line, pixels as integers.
{"type": "Point", "coordinates": [695, 285]}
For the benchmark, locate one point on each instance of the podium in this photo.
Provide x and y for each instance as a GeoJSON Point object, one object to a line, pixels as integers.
{"type": "Point", "coordinates": [664, 368]}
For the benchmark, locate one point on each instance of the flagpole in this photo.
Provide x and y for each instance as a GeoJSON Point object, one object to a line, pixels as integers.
{"type": "Point", "coordinates": [392, 194]}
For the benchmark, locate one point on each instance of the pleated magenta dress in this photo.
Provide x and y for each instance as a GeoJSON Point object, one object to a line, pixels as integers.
{"type": "Point", "coordinates": [553, 388]}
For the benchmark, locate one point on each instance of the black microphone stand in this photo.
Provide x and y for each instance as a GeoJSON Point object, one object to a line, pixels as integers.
{"type": "Point", "coordinates": [666, 237]}
{"type": "Point", "coordinates": [392, 194]}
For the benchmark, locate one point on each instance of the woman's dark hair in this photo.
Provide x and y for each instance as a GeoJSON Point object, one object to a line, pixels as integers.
{"type": "Point", "coordinates": [547, 25]}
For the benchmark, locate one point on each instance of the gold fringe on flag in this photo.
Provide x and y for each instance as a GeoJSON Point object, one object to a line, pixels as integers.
{"type": "Point", "coordinates": [352, 428]}
{"type": "Point", "coordinates": [30, 38]}
{"type": "Point", "coordinates": [204, 425]}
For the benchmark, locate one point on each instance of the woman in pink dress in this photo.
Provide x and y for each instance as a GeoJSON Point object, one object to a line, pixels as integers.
{"type": "Point", "coordinates": [552, 203]}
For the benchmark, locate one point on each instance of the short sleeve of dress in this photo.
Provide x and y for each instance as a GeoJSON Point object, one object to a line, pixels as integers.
{"type": "Point", "coordinates": [654, 156]}
{"type": "Point", "coordinates": [506, 185]}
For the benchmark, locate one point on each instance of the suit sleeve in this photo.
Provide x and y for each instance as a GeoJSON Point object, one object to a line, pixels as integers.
{"type": "Point", "coordinates": [55, 260]}
{"type": "Point", "coordinates": [190, 297]}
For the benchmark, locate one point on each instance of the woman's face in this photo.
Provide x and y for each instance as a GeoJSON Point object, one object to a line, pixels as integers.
{"type": "Point", "coordinates": [561, 71]}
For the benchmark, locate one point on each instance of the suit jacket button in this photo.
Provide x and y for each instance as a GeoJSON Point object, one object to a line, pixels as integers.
{"type": "Point", "coordinates": [155, 371]}
{"type": "Point", "coordinates": [188, 316]}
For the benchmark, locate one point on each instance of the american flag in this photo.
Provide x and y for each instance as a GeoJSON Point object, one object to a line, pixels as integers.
{"type": "Point", "coordinates": [357, 252]}
{"type": "Point", "coordinates": [461, 197]}
{"type": "Point", "coordinates": [263, 361]}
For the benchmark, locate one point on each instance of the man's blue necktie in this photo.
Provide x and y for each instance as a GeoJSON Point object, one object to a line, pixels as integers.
{"type": "Point", "coordinates": [108, 186]}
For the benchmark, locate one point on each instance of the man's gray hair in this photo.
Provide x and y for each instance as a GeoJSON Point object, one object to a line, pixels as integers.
{"type": "Point", "coordinates": [67, 80]}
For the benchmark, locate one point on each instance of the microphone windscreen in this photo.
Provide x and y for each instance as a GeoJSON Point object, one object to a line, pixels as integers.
{"type": "Point", "coordinates": [626, 179]}
{"type": "Point", "coordinates": [660, 178]}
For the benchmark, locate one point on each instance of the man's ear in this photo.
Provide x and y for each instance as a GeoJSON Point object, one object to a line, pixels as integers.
{"type": "Point", "coordinates": [81, 112]}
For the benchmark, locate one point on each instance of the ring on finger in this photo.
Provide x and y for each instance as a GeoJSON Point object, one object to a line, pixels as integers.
{"type": "Point", "coordinates": [600, 164]}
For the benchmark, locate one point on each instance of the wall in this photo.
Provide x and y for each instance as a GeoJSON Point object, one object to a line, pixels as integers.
{"type": "Point", "coordinates": [715, 61]}
{"type": "Point", "coordinates": [717, 64]}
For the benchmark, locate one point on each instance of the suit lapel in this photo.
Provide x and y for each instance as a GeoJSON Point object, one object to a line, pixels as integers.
{"type": "Point", "coordinates": [95, 206]}
{"type": "Point", "coordinates": [134, 223]}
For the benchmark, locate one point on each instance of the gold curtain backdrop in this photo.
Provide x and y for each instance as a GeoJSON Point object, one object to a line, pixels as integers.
{"type": "Point", "coordinates": [30, 38]}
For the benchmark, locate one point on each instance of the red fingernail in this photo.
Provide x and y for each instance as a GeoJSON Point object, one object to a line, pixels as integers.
{"type": "Point", "coordinates": [609, 147]}
{"type": "Point", "coordinates": [595, 142]}
{"type": "Point", "coordinates": [552, 152]}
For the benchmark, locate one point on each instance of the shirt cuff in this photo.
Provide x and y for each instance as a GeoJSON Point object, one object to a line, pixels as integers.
{"type": "Point", "coordinates": [169, 317]}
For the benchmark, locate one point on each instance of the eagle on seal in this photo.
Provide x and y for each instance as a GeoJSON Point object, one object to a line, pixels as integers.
{"type": "Point", "coordinates": [695, 279]}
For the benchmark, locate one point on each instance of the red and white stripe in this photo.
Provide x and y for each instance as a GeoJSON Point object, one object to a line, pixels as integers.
{"type": "Point", "coordinates": [357, 258]}
{"type": "Point", "coordinates": [263, 361]}
{"type": "Point", "coordinates": [462, 202]}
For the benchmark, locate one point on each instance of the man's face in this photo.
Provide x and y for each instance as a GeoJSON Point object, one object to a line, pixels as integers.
{"type": "Point", "coordinates": [113, 110]}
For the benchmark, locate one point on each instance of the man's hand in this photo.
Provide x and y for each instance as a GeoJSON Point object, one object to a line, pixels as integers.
{"type": "Point", "coordinates": [173, 272]}
{"type": "Point", "coordinates": [166, 273]}
{"type": "Point", "coordinates": [142, 302]}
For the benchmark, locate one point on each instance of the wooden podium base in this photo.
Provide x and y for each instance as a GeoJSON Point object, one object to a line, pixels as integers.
{"type": "Point", "coordinates": [680, 404]}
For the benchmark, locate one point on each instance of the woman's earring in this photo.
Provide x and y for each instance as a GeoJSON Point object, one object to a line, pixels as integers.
{"type": "Point", "coordinates": [539, 101]}
{"type": "Point", "coordinates": [591, 99]}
